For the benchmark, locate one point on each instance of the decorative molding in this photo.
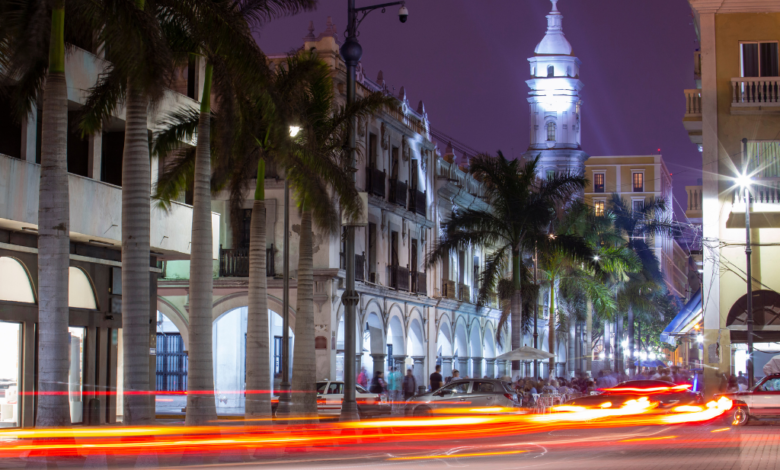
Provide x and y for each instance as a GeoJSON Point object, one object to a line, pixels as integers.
{"type": "Point", "coordinates": [385, 136]}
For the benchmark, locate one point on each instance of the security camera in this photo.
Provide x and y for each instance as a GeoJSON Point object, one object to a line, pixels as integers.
{"type": "Point", "coordinates": [403, 13]}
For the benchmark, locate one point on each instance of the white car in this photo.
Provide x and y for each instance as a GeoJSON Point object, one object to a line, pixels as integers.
{"type": "Point", "coordinates": [330, 394]}
{"type": "Point", "coordinates": [762, 402]}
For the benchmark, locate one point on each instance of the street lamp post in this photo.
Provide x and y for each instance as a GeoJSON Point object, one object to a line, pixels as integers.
{"type": "Point", "coordinates": [536, 315]}
{"type": "Point", "coordinates": [744, 182]}
{"type": "Point", "coordinates": [351, 51]}
{"type": "Point", "coordinates": [284, 397]}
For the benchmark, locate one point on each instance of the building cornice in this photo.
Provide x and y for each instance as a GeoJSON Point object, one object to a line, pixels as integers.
{"type": "Point", "coordinates": [735, 6]}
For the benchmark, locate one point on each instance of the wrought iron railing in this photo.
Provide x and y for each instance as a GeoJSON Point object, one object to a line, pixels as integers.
{"type": "Point", "coordinates": [234, 262]}
{"type": "Point", "coordinates": [419, 284]}
{"type": "Point", "coordinates": [448, 289]}
{"type": "Point", "coordinates": [375, 182]}
{"type": "Point", "coordinates": [399, 278]}
{"type": "Point", "coordinates": [417, 201]}
{"type": "Point", "coordinates": [398, 192]}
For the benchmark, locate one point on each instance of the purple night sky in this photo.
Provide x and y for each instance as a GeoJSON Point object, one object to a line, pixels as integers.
{"type": "Point", "coordinates": [467, 61]}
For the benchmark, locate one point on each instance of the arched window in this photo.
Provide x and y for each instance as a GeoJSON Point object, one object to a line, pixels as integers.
{"type": "Point", "coordinates": [550, 131]}
{"type": "Point", "coordinates": [15, 284]}
{"type": "Point", "coordinates": [550, 70]}
{"type": "Point", "coordinates": [80, 292]}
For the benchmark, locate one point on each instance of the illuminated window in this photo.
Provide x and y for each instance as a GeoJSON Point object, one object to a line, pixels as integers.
{"type": "Point", "coordinates": [550, 131]}
{"type": "Point", "coordinates": [80, 292]}
{"type": "Point", "coordinates": [638, 180]}
{"type": "Point", "coordinates": [550, 71]}
{"type": "Point", "coordinates": [15, 282]}
{"type": "Point", "coordinates": [598, 182]}
{"type": "Point", "coordinates": [759, 59]}
{"type": "Point", "coordinates": [599, 207]}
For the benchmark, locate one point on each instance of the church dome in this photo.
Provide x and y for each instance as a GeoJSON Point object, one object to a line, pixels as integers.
{"type": "Point", "coordinates": [554, 42]}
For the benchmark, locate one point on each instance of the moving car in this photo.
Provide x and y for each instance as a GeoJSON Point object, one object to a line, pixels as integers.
{"type": "Point", "coordinates": [330, 394]}
{"type": "Point", "coordinates": [463, 393]}
{"type": "Point", "coordinates": [762, 402]}
{"type": "Point", "coordinates": [667, 394]}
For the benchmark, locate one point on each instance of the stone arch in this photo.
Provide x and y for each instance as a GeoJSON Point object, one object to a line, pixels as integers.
{"type": "Point", "coordinates": [475, 338]}
{"type": "Point", "coordinates": [444, 342]}
{"type": "Point", "coordinates": [489, 341]}
{"type": "Point", "coordinates": [460, 343]}
{"type": "Point", "coordinates": [16, 284]}
{"type": "Point", "coordinates": [766, 310]}
{"type": "Point", "coordinates": [415, 338]}
{"type": "Point", "coordinates": [177, 318]}
{"type": "Point", "coordinates": [415, 313]}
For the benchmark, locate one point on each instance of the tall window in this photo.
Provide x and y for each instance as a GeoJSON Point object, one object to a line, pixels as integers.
{"type": "Point", "coordinates": [599, 207]}
{"type": "Point", "coordinates": [638, 180]}
{"type": "Point", "coordinates": [550, 131]}
{"type": "Point", "coordinates": [759, 59]}
{"type": "Point", "coordinates": [550, 70]}
{"type": "Point", "coordinates": [598, 182]}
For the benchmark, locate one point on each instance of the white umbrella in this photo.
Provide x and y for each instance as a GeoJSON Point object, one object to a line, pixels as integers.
{"type": "Point", "coordinates": [525, 353]}
{"type": "Point", "coordinates": [772, 366]}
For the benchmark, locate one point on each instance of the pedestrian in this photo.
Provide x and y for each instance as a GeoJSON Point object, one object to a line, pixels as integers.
{"type": "Point", "coordinates": [436, 380]}
{"type": "Point", "coordinates": [395, 385]}
{"type": "Point", "coordinates": [409, 385]}
{"type": "Point", "coordinates": [455, 374]}
{"type": "Point", "coordinates": [378, 384]}
{"type": "Point", "coordinates": [362, 378]}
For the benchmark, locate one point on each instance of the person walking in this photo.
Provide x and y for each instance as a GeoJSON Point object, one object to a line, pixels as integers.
{"type": "Point", "coordinates": [436, 379]}
{"type": "Point", "coordinates": [409, 385]}
{"type": "Point", "coordinates": [362, 378]}
{"type": "Point", "coordinates": [378, 384]}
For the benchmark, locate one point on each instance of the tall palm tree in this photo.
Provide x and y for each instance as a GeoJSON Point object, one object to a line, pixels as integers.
{"type": "Point", "coordinates": [521, 207]}
{"type": "Point", "coordinates": [641, 289]}
{"type": "Point", "coordinates": [141, 65]}
{"type": "Point", "coordinates": [319, 174]}
{"type": "Point", "coordinates": [32, 58]}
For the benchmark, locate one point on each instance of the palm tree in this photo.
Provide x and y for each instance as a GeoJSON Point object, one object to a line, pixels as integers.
{"type": "Point", "coordinates": [640, 289]}
{"type": "Point", "coordinates": [319, 174]}
{"type": "Point", "coordinates": [521, 208]}
{"type": "Point", "coordinates": [32, 58]}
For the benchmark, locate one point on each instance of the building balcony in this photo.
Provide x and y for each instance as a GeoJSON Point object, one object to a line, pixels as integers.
{"type": "Point", "coordinates": [399, 278]}
{"type": "Point", "coordinates": [360, 265]}
{"type": "Point", "coordinates": [693, 211]}
{"type": "Point", "coordinates": [448, 290]}
{"type": "Point", "coordinates": [398, 192]}
{"type": "Point", "coordinates": [95, 211]}
{"type": "Point", "coordinates": [417, 201]}
{"type": "Point", "coordinates": [692, 118]}
{"type": "Point", "coordinates": [464, 293]}
{"type": "Point", "coordinates": [235, 262]}
{"type": "Point", "coordinates": [375, 182]}
{"type": "Point", "coordinates": [764, 205]}
{"type": "Point", "coordinates": [755, 95]}
{"type": "Point", "coordinates": [419, 283]}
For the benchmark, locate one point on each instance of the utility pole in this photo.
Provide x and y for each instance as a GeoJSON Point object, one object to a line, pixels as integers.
{"type": "Point", "coordinates": [748, 255]}
{"type": "Point", "coordinates": [536, 315]}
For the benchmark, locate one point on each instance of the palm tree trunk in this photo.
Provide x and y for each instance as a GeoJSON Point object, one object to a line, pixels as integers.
{"type": "Point", "coordinates": [136, 205]}
{"type": "Point", "coordinates": [304, 401]}
{"type": "Point", "coordinates": [631, 366]}
{"type": "Point", "coordinates": [201, 407]}
{"type": "Point", "coordinates": [551, 326]}
{"type": "Point", "coordinates": [258, 373]}
{"type": "Point", "coordinates": [53, 238]}
{"type": "Point", "coordinates": [516, 307]}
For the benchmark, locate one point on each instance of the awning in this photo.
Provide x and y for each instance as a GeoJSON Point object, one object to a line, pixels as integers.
{"type": "Point", "coordinates": [689, 315]}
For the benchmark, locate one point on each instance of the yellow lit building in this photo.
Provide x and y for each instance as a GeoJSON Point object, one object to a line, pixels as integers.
{"type": "Point", "coordinates": [737, 98]}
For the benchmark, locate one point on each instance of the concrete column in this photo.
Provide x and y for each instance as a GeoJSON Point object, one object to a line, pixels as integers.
{"type": "Point", "coordinates": [400, 363]}
{"type": "Point", "coordinates": [419, 371]}
{"type": "Point", "coordinates": [358, 362]}
{"type": "Point", "coordinates": [490, 365]}
{"type": "Point", "coordinates": [379, 364]}
{"type": "Point", "coordinates": [711, 212]}
{"type": "Point", "coordinates": [96, 158]}
{"type": "Point", "coordinates": [501, 368]}
{"type": "Point", "coordinates": [446, 367]}
{"type": "Point", "coordinates": [30, 136]}
{"type": "Point", "coordinates": [476, 367]}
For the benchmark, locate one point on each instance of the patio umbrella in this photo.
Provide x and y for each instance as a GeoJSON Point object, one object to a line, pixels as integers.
{"type": "Point", "coordinates": [525, 353]}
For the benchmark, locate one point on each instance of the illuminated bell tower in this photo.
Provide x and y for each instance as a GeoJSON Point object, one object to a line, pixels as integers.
{"type": "Point", "coordinates": [555, 103]}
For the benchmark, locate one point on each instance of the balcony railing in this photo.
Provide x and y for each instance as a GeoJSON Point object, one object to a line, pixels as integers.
{"type": "Point", "coordinates": [764, 191]}
{"type": "Point", "coordinates": [419, 283]}
{"type": "Point", "coordinates": [234, 262]}
{"type": "Point", "coordinates": [448, 289]}
{"type": "Point", "coordinates": [464, 293]}
{"type": "Point", "coordinates": [398, 192]}
{"type": "Point", "coordinates": [755, 91]}
{"type": "Point", "coordinates": [360, 267]}
{"type": "Point", "coordinates": [375, 182]}
{"type": "Point", "coordinates": [693, 103]}
{"type": "Point", "coordinates": [417, 201]}
{"type": "Point", "coordinates": [399, 278]}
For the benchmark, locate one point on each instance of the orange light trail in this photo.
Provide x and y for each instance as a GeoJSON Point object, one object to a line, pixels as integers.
{"type": "Point", "coordinates": [642, 439]}
{"type": "Point", "coordinates": [721, 430]}
{"type": "Point", "coordinates": [457, 456]}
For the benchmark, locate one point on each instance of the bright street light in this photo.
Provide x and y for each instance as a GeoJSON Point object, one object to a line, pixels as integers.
{"type": "Point", "coordinates": [700, 338]}
{"type": "Point", "coordinates": [744, 180]}
{"type": "Point", "coordinates": [596, 258]}
{"type": "Point", "coordinates": [652, 356]}
{"type": "Point", "coordinates": [294, 130]}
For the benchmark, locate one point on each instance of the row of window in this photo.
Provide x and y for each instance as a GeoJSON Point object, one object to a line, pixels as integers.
{"type": "Point", "coordinates": [599, 205]}
{"type": "Point", "coordinates": [637, 182]}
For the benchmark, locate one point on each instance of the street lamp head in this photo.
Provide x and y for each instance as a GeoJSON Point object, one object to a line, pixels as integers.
{"type": "Point", "coordinates": [596, 258]}
{"type": "Point", "coordinates": [351, 51]}
{"type": "Point", "coordinates": [744, 180]}
{"type": "Point", "coordinates": [294, 130]}
{"type": "Point", "coordinates": [403, 13]}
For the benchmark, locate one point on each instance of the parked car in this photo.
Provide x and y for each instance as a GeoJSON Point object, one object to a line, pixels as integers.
{"type": "Point", "coordinates": [463, 393]}
{"type": "Point", "coordinates": [330, 394]}
{"type": "Point", "coordinates": [762, 402]}
{"type": "Point", "coordinates": [667, 394]}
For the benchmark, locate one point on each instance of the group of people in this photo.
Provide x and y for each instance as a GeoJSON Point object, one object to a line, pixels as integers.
{"type": "Point", "coordinates": [675, 374]}
{"type": "Point", "coordinates": [737, 383]}
{"type": "Point", "coordinates": [528, 389]}
{"type": "Point", "coordinates": [397, 387]}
